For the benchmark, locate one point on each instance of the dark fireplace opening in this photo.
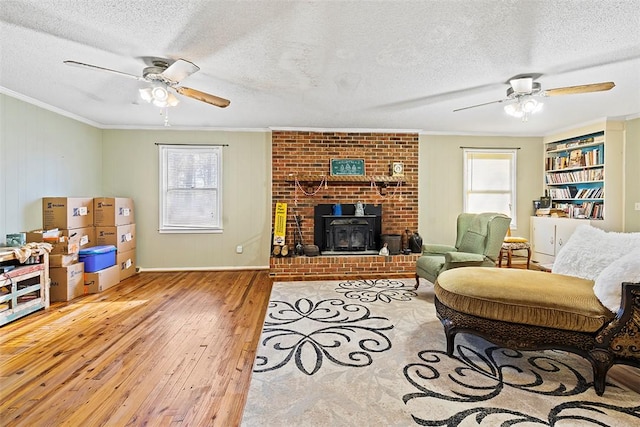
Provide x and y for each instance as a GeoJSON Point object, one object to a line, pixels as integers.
{"type": "Point", "coordinates": [347, 233]}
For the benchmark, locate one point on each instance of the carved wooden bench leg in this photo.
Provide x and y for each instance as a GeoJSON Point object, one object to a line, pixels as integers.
{"type": "Point", "coordinates": [601, 360]}
{"type": "Point", "coordinates": [450, 334]}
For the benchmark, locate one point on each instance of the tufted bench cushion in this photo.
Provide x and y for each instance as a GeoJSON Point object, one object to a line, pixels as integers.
{"type": "Point", "coordinates": [523, 296]}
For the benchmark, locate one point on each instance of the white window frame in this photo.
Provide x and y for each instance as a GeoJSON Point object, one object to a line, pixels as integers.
{"type": "Point", "coordinates": [197, 224]}
{"type": "Point", "coordinates": [468, 176]}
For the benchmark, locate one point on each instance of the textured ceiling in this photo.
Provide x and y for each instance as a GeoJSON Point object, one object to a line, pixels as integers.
{"type": "Point", "coordinates": [327, 64]}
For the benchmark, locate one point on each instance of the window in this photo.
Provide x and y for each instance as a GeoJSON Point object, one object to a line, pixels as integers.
{"type": "Point", "coordinates": [490, 181]}
{"type": "Point", "coordinates": [190, 189]}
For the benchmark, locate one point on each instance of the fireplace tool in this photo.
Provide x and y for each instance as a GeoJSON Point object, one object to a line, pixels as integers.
{"type": "Point", "coordinates": [299, 250]}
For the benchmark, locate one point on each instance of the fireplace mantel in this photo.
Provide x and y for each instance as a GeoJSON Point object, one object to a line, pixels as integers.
{"type": "Point", "coordinates": [346, 179]}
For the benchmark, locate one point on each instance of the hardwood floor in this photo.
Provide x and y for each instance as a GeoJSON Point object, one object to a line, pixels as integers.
{"type": "Point", "coordinates": [158, 349]}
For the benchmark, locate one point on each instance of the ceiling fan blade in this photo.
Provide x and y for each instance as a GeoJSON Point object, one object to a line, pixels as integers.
{"type": "Point", "coordinates": [202, 96]}
{"type": "Point", "coordinates": [179, 70]}
{"type": "Point", "coordinates": [480, 105]}
{"type": "Point", "coordinates": [95, 67]}
{"type": "Point", "coordinates": [572, 90]}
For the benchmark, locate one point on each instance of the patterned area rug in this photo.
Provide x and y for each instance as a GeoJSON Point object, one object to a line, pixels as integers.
{"type": "Point", "coordinates": [372, 353]}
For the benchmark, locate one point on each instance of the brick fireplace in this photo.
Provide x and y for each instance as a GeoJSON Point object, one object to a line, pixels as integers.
{"type": "Point", "coordinates": [301, 178]}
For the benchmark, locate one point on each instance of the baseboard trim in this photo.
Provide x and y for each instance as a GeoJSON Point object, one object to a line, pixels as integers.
{"type": "Point", "coordinates": [224, 268]}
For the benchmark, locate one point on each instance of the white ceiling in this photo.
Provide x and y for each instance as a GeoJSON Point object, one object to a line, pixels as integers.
{"type": "Point", "coordinates": [327, 64]}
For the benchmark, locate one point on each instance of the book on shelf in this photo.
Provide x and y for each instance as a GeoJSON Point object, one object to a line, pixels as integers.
{"type": "Point", "coordinates": [584, 175]}
{"type": "Point", "coordinates": [576, 158]}
{"type": "Point", "coordinates": [593, 157]}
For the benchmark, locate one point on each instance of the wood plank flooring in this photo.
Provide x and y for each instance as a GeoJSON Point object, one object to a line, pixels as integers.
{"type": "Point", "coordinates": [158, 349]}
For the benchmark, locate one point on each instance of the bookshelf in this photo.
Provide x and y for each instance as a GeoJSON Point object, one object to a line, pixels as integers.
{"type": "Point", "coordinates": [583, 173]}
{"type": "Point", "coordinates": [574, 175]}
{"type": "Point", "coordinates": [583, 176]}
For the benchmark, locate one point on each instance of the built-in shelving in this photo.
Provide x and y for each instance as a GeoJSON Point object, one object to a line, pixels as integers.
{"type": "Point", "coordinates": [583, 173]}
{"type": "Point", "coordinates": [574, 175]}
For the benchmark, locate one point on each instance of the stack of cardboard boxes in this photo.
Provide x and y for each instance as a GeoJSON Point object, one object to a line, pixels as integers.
{"type": "Point", "coordinates": [73, 220]}
{"type": "Point", "coordinates": [115, 225]}
{"type": "Point", "coordinates": [72, 225]}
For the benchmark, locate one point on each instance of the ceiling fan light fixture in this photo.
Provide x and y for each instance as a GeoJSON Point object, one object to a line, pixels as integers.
{"type": "Point", "coordinates": [531, 105]}
{"type": "Point", "coordinates": [159, 96]}
{"type": "Point", "coordinates": [159, 93]}
{"type": "Point", "coordinates": [514, 110]}
{"type": "Point", "coordinates": [523, 107]}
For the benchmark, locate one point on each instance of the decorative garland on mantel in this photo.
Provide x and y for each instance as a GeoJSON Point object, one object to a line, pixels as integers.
{"type": "Point", "coordinates": [324, 181]}
{"type": "Point", "coordinates": [387, 196]}
{"type": "Point", "coordinates": [307, 193]}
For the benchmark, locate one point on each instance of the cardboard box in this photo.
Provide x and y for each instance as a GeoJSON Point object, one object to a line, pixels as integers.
{"type": "Point", "coordinates": [34, 236]}
{"type": "Point", "coordinates": [126, 262]}
{"type": "Point", "coordinates": [50, 236]}
{"type": "Point", "coordinates": [67, 283]}
{"type": "Point", "coordinates": [86, 235]}
{"type": "Point", "coordinates": [101, 280]}
{"type": "Point", "coordinates": [67, 212]}
{"type": "Point", "coordinates": [62, 260]}
{"type": "Point", "coordinates": [123, 237]}
{"type": "Point", "coordinates": [64, 245]}
{"type": "Point", "coordinates": [113, 211]}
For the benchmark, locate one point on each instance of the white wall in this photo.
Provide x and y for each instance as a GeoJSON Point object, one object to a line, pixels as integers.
{"type": "Point", "coordinates": [441, 181]}
{"type": "Point", "coordinates": [130, 164]}
{"type": "Point", "coordinates": [43, 154]}
{"type": "Point", "coordinates": [632, 176]}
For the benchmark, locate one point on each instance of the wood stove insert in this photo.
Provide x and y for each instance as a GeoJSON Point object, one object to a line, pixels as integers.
{"type": "Point", "coordinates": [347, 234]}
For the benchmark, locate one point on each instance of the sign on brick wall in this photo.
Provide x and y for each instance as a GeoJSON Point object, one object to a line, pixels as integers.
{"type": "Point", "coordinates": [347, 167]}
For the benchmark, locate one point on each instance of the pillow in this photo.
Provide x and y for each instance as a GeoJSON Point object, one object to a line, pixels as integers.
{"type": "Point", "coordinates": [590, 250]}
{"type": "Point", "coordinates": [608, 286]}
{"type": "Point", "coordinates": [511, 239]}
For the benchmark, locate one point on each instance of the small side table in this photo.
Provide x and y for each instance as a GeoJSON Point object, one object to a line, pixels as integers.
{"type": "Point", "coordinates": [509, 247]}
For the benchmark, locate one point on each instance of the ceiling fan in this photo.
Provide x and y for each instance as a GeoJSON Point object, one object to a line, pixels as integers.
{"type": "Point", "coordinates": [163, 74]}
{"type": "Point", "coordinates": [523, 90]}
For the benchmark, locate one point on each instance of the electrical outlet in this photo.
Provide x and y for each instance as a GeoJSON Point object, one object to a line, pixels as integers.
{"type": "Point", "coordinates": [638, 206]}
{"type": "Point", "coordinates": [239, 249]}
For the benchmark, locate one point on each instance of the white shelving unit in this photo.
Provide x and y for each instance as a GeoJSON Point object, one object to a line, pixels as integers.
{"type": "Point", "coordinates": [583, 176]}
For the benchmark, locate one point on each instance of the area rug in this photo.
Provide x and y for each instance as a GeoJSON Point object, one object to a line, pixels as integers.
{"type": "Point", "coordinates": [372, 353]}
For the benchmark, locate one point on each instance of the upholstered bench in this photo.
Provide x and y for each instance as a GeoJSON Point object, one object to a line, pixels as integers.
{"type": "Point", "coordinates": [535, 310]}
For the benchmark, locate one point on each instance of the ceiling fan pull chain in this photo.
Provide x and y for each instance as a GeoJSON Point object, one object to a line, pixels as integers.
{"type": "Point", "coordinates": [166, 117]}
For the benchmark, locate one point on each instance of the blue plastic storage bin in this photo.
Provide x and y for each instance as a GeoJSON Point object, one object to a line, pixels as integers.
{"type": "Point", "coordinates": [98, 257]}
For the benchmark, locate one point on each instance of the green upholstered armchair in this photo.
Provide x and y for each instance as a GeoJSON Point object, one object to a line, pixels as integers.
{"type": "Point", "coordinates": [478, 244]}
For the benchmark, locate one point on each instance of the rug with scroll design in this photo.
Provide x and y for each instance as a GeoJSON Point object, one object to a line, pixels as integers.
{"type": "Point", "coordinates": [372, 353]}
